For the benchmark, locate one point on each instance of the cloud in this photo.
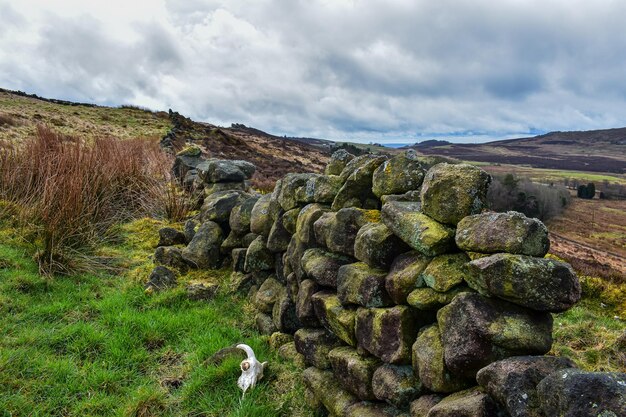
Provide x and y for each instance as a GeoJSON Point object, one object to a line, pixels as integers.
{"type": "Point", "coordinates": [393, 69]}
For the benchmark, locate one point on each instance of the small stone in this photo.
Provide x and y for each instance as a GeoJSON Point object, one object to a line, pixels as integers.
{"type": "Point", "coordinates": [304, 303]}
{"type": "Point", "coordinates": [353, 371]}
{"type": "Point", "coordinates": [404, 275]}
{"type": "Point", "coordinates": [377, 246]}
{"type": "Point", "coordinates": [288, 352]}
{"type": "Point", "coordinates": [190, 228]}
{"type": "Point", "coordinates": [510, 232]}
{"type": "Point", "coordinates": [168, 236]}
{"type": "Point", "coordinates": [335, 317]}
{"type": "Point", "coordinates": [199, 290]}
{"type": "Point", "coordinates": [315, 344]}
{"type": "Point", "coordinates": [537, 283]}
{"type": "Point", "coordinates": [269, 292]}
{"type": "Point", "coordinates": [278, 339]}
{"type": "Point", "coordinates": [307, 217]}
{"type": "Point", "coordinates": [239, 259]}
{"type": "Point", "coordinates": [265, 324]}
{"type": "Point", "coordinates": [446, 271]}
{"type": "Point", "coordinates": [359, 284]}
{"type": "Point", "coordinates": [170, 256]}
{"type": "Point", "coordinates": [284, 314]}
{"type": "Point", "coordinates": [279, 238]}
{"type": "Point", "coordinates": [290, 219]}
{"type": "Point", "coordinates": [451, 192]}
{"type": "Point", "coordinates": [161, 278]}
{"type": "Point", "coordinates": [419, 231]}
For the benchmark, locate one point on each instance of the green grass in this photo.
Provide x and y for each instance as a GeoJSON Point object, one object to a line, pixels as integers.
{"type": "Point", "coordinates": [97, 345]}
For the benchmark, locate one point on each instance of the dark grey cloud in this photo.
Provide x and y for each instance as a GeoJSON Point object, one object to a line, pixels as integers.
{"type": "Point", "coordinates": [336, 68]}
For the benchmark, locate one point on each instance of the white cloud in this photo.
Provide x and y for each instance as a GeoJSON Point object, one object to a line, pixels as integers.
{"type": "Point", "coordinates": [359, 69]}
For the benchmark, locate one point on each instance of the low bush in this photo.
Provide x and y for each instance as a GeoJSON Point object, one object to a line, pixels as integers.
{"type": "Point", "coordinates": [69, 193]}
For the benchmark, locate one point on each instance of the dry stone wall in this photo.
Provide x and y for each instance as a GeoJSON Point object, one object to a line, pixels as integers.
{"type": "Point", "coordinates": [395, 287]}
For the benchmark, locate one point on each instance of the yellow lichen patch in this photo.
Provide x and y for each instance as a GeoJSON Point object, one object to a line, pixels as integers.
{"type": "Point", "coordinates": [143, 233]}
{"type": "Point", "coordinates": [371, 216]}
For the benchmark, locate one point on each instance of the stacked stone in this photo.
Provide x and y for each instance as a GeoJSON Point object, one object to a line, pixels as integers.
{"type": "Point", "coordinates": [401, 295]}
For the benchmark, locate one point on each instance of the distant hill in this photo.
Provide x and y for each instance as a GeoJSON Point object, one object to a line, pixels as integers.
{"type": "Point", "coordinates": [595, 150]}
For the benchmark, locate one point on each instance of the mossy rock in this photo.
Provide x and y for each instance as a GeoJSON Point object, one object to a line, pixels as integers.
{"type": "Point", "coordinates": [398, 175]}
{"type": "Point", "coordinates": [337, 230]}
{"type": "Point", "coordinates": [241, 214]}
{"type": "Point", "coordinates": [353, 371]}
{"type": "Point", "coordinates": [290, 220]}
{"type": "Point", "coordinates": [537, 283]}
{"type": "Point", "coordinates": [315, 344]}
{"type": "Point", "coordinates": [357, 182]}
{"type": "Point", "coordinates": [426, 298]}
{"type": "Point", "coordinates": [377, 246]}
{"type": "Point", "coordinates": [405, 275]}
{"type": "Point", "coordinates": [416, 229]}
{"type": "Point", "coordinates": [306, 219]}
{"type": "Point", "coordinates": [396, 384]}
{"type": "Point", "coordinates": [429, 364]}
{"type": "Point", "coordinates": [451, 192]}
{"type": "Point", "coordinates": [510, 232]}
{"type": "Point", "coordinates": [292, 185]}
{"type": "Point", "coordinates": [335, 317]}
{"type": "Point", "coordinates": [476, 331]}
{"type": "Point", "coordinates": [445, 272]}
{"type": "Point", "coordinates": [279, 238]}
{"type": "Point", "coordinates": [470, 402]}
{"type": "Point", "coordinates": [268, 293]}
{"type": "Point", "coordinates": [359, 284]}
{"type": "Point", "coordinates": [323, 266]}
{"type": "Point", "coordinates": [260, 220]}
{"type": "Point", "coordinates": [328, 391]}
{"type": "Point", "coordinates": [284, 314]}
{"type": "Point", "coordinates": [218, 206]}
{"type": "Point", "coordinates": [258, 257]}
{"type": "Point", "coordinates": [338, 161]}
{"type": "Point", "coordinates": [204, 249]}
{"type": "Point", "coordinates": [304, 303]}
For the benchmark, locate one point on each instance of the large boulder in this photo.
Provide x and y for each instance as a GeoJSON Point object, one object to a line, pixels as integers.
{"type": "Point", "coordinates": [204, 249]}
{"type": "Point", "coordinates": [576, 393]}
{"type": "Point", "coordinates": [356, 190]}
{"type": "Point", "coordinates": [323, 266]}
{"type": "Point", "coordinates": [404, 275]}
{"type": "Point", "coordinates": [537, 283]}
{"type": "Point", "coordinates": [429, 364]}
{"type": "Point", "coordinates": [396, 385]}
{"type": "Point", "coordinates": [359, 284]}
{"type": "Point", "coordinates": [260, 220]}
{"type": "Point", "coordinates": [258, 257]}
{"type": "Point", "coordinates": [240, 216]}
{"type": "Point", "coordinates": [472, 402]}
{"type": "Point", "coordinates": [513, 381]}
{"type": "Point", "coordinates": [510, 232]}
{"type": "Point", "coordinates": [217, 206]}
{"type": "Point", "coordinates": [476, 331]}
{"type": "Point", "coordinates": [398, 175]}
{"type": "Point", "coordinates": [353, 371]}
{"type": "Point", "coordinates": [315, 344]}
{"type": "Point", "coordinates": [389, 333]}
{"type": "Point", "coordinates": [419, 231]}
{"type": "Point", "coordinates": [224, 170]}
{"type": "Point", "coordinates": [446, 271]}
{"type": "Point", "coordinates": [338, 161]}
{"type": "Point", "coordinates": [377, 246]}
{"type": "Point", "coordinates": [451, 192]}
{"type": "Point", "coordinates": [328, 391]}
{"type": "Point", "coordinates": [335, 317]}
{"type": "Point", "coordinates": [337, 230]}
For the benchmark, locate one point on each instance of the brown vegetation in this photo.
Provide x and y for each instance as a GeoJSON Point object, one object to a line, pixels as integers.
{"type": "Point", "coordinates": [66, 193]}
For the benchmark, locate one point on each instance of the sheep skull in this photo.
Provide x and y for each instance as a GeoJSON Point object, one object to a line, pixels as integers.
{"type": "Point", "coordinates": [251, 369]}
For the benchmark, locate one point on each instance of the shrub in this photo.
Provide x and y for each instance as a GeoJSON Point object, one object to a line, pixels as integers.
{"type": "Point", "coordinates": [586, 191]}
{"type": "Point", "coordinates": [69, 192]}
{"type": "Point", "coordinates": [534, 200]}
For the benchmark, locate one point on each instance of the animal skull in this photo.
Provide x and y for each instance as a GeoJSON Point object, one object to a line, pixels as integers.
{"type": "Point", "coordinates": [251, 369]}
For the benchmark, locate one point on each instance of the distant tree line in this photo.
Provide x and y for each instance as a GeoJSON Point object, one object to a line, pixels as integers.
{"type": "Point", "coordinates": [534, 200]}
{"type": "Point", "coordinates": [354, 150]}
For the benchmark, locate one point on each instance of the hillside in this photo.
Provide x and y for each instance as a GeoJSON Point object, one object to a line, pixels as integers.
{"type": "Point", "coordinates": [274, 156]}
{"type": "Point", "coordinates": [596, 151]}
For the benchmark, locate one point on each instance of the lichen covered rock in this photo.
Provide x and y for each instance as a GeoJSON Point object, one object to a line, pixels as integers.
{"type": "Point", "coordinates": [405, 275]}
{"type": "Point", "coordinates": [241, 215]}
{"type": "Point", "coordinates": [398, 175]}
{"type": "Point", "coordinates": [357, 182]}
{"type": "Point", "coordinates": [304, 303]}
{"type": "Point", "coordinates": [217, 206]}
{"type": "Point", "coordinates": [168, 236]}
{"type": "Point", "coordinates": [260, 220]}
{"type": "Point", "coordinates": [160, 278]}
{"type": "Point", "coordinates": [204, 249]}
{"type": "Point", "coordinates": [359, 284]}
{"type": "Point", "coordinates": [510, 232]}
{"type": "Point", "coordinates": [323, 266]}
{"type": "Point", "coordinates": [314, 345]}
{"type": "Point", "coordinates": [396, 385]}
{"type": "Point", "coordinates": [258, 257]}
{"type": "Point", "coordinates": [224, 170]}
{"type": "Point", "coordinates": [338, 161]}
{"type": "Point", "coordinates": [451, 192]}
{"type": "Point", "coordinates": [291, 187]}
{"type": "Point", "coordinates": [426, 298]}
{"type": "Point", "coordinates": [537, 283]}
{"type": "Point", "coordinates": [377, 246]}
{"type": "Point", "coordinates": [269, 292]}
{"type": "Point", "coordinates": [476, 331]}
{"type": "Point", "coordinates": [446, 271]}
{"type": "Point", "coordinates": [419, 231]}
{"type": "Point", "coordinates": [328, 391]}
{"type": "Point", "coordinates": [337, 230]}
{"type": "Point", "coordinates": [472, 402]}
{"type": "Point", "coordinates": [335, 317]}
{"type": "Point", "coordinates": [353, 371]}
{"type": "Point", "coordinates": [170, 256]}
{"type": "Point", "coordinates": [306, 219]}
{"type": "Point", "coordinates": [284, 314]}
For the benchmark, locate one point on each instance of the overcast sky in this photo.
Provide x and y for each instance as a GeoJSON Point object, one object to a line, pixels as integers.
{"type": "Point", "coordinates": [366, 70]}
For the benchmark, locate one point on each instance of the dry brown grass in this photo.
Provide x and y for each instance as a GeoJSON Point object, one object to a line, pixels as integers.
{"type": "Point", "coordinates": [68, 193]}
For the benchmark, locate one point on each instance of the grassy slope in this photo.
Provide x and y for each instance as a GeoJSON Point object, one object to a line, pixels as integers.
{"type": "Point", "coordinates": [99, 346]}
